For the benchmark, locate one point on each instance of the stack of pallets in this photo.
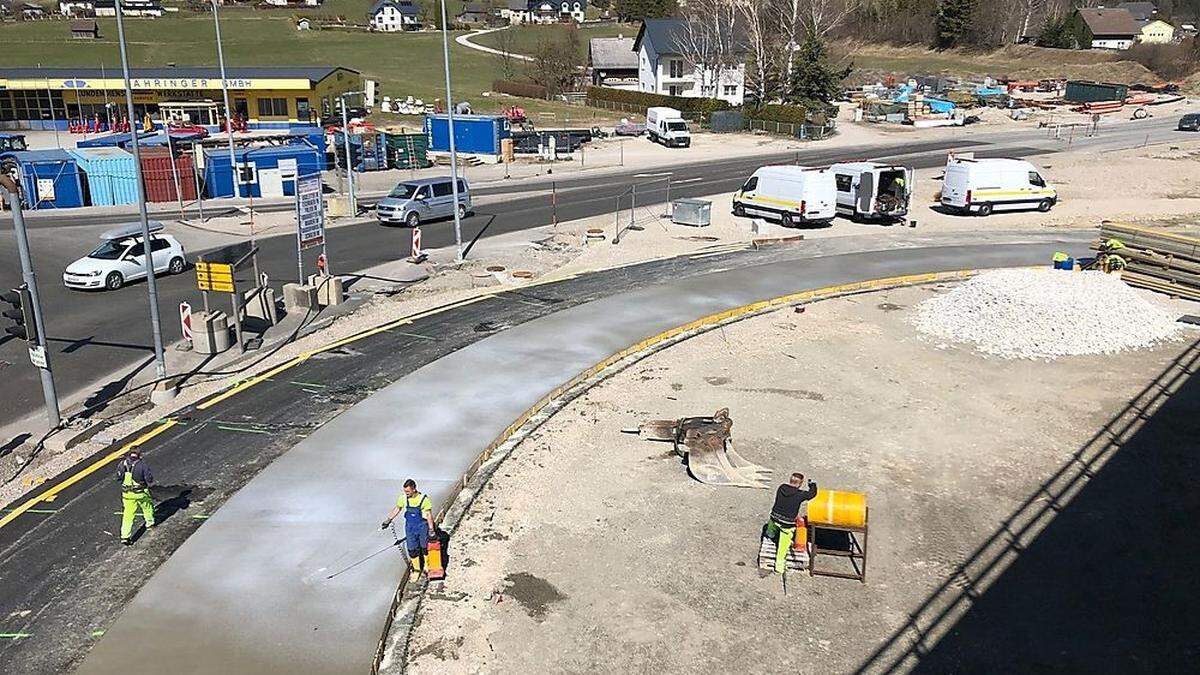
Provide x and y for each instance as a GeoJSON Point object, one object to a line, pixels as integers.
{"type": "Point", "coordinates": [1157, 260]}
{"type": "Point", "coordinates": [797, 559]}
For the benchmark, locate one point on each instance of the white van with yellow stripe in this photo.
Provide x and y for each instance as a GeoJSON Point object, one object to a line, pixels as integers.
{"type": "Point", "coordinates": [981, 186]}
{"type": "Point", "coordinates": [792, 195]}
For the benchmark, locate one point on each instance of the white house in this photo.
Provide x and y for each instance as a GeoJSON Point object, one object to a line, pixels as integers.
{"type": "Point", "coordinates": [77, 8]}
{"type": "Point", "coordinates": [128, 8]}
{"type": "Point", "coordinates": [392, 16]}
{"type": "Point", "coordinates": [543, 11]}
{"type": "Point", "coordinates": [1110, 28]}
{"type": "Point", "coordinates": [662, 68]}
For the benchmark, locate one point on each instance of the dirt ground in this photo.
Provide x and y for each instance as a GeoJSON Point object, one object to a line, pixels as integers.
{"type": "Point", "coordinates": [591, 550]}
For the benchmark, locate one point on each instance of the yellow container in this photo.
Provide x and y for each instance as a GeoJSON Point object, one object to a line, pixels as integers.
{"type": "Point", "coordinates": [838, 508]}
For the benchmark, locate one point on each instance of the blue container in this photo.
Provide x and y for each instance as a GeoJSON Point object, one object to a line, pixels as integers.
{"type": "Point", "coordinates": [50, 179]}
{"type": "Point", "coordinates": [473, 134]}
{"type": "Point", "coordinates": [1068, 264]}
{"type": "Point", "coordinates": [110, 173]}
{"type": "Point", "coordinates": [314, 137]}
{"type": "Point", "coordinates": [271, 170]}
{"type": "Point", "coordinates": [112, 140]}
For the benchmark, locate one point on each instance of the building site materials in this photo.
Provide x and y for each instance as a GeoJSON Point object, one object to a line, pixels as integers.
{"type": "Point", "coordinates": [797, 557]}
{"type": "Point", "coordinates": [872, 190]}
{"type": "Point", "coordinates": [407, 151]}
{"type": "Point", "coordinates": [1161, 261]}
{"type": "Point", "coordinates": [1044, 314]}
{"type": "Point", "coordinates": [694, 212]}
{"type": "Point", "coordinates": [162, 170]}
{"type": "Point", "coordinates": [707, 445]}
{"type": "Point", "coordinates": [836, 521]}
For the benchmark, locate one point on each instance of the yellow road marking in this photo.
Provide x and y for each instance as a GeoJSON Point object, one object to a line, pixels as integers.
{"type": "Point", "coordinates": [50, 494]}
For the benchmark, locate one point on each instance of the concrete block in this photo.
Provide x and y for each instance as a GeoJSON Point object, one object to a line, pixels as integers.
{"type": "Point", "coordinates": [337, 206]}
{"type": "Point", "coordinates": [297, 297]}
{"type": "Point", "coordinates": [211, 332]}
{"type": "Point", "coordinates": [330, 290]}
{"type": "Point", "coordinates": [261, 305]}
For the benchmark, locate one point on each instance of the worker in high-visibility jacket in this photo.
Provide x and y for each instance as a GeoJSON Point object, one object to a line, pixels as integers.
{"type": "Point", "coordinates": [135, 480]}
{"type": "Point", "coordinates": [781, 525]}
{"type": "Point", "coordinates": [418, 525]}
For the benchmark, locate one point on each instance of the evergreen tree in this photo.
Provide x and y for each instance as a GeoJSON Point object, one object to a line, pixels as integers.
{"type": "Point", "coordinates": [952, 22]}
{"type": "Point", "coordinates": [813, 82]}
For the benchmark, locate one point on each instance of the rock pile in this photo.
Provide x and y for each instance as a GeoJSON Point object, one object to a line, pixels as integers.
{"type": "Point", "coordinates": [1044, 314]}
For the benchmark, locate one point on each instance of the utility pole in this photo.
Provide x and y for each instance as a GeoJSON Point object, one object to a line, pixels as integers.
{"type": "Point", "coordinates": [450, 131]}
{"type": "Point", "coordinates": [10, 193]}
{"type": "Point", "coordinates": [160, 366]}
{"type": "Point", "coordinates": [233, 171]}
{"type": "Point", "coordinates": [346, 145]}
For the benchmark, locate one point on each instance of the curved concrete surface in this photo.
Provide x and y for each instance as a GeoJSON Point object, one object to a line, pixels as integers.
{"type": "Point", "coordinates": [248, 592]}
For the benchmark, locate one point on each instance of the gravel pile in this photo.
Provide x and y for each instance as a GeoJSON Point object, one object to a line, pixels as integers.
{"type": "Point", "coordinates": [1044, 314]}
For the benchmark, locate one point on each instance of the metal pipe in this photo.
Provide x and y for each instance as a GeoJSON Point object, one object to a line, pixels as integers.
{"type": "Point", "coordinates": [160, 366]}
{"type": "Point", "coordinates": [349, 161]}
{"type": "Point", "coordinates": [450, 131]}
{"type": "Point", "coordinates": [174, 167]}
{"type": "Point", "coordinates": [48, 392]}
{"type": "Point", "coordinates": [233, 172]}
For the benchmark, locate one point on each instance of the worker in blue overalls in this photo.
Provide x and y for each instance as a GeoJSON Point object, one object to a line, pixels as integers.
{"type": "Point", "coordinates": [418, 525]}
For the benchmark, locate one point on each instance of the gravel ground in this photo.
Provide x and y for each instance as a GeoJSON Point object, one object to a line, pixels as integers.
{"type": "Point", "coordinates": [592, 551]}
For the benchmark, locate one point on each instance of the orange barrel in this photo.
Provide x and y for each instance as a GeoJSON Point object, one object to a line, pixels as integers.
{"type": "Point", "coordinates": [800, 543]}
{"type": "Point", "coordinates": [838, 508]}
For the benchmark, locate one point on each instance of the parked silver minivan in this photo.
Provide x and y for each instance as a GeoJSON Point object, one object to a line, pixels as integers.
{"type": "Point", "coordinates": [416, 201]}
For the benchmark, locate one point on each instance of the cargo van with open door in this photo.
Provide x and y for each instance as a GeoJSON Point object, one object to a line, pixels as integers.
{"type": "Point", "coordinates": [872, 191]}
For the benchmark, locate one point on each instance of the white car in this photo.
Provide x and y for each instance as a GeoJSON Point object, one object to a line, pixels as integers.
{"type": "Point", "coordinates": [119, 259]}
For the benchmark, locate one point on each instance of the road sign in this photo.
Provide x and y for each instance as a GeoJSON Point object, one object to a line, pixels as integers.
{"type": "Point", "coordinates": [416, 243]}
{"type": "Point", "coordinates": [310, 212]}
{"type": "Point", "coordinates": [214, 277]}
{"type": "Point", "coordinates": [185, 320]}
{"type": "Point", "coordinates": [37, 356]}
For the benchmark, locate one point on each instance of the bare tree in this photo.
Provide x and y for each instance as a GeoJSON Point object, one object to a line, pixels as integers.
{"type": "Point", "coordinates": [706, 41]}
{"type": "Point", "coordinates": [506, 43]}
{"type": "Point", "coordinates": [765, 45]}
{"type": "Point", "coordinates": [822, 17]}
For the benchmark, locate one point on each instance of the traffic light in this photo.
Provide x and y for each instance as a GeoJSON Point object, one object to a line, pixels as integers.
{"type": "Point", "coordinates": [20, 320]}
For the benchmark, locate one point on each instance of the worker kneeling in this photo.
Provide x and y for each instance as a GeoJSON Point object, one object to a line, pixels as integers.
{"type": "Point", "coordinates": [418, 525]}
{"type": "Point", "coordinates": [781, 526]}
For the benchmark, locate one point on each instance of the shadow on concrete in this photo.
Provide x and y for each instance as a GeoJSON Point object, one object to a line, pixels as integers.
{"type": "Point", "coordinates": [180, 499]}
{"type": "Point", "coordinates": [14, 443]}
{"type": "Point", "coordinates": [487, 222]}
{"type": "Point", "coordinates": [1096, 571]}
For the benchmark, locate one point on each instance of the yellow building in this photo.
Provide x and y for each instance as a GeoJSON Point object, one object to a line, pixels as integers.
{"type": "Point", "coordinates": [41, 98]}
{"type": "Point", "coordinates": [1157, 32]}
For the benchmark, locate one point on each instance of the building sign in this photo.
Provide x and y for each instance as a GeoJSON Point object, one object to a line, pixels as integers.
{"type": "Point", "coordinates": [310, 212]}
{"type": "Point", "coordinates": [45, 189]}
{"type": "Point", "coordinates": [189, 83]}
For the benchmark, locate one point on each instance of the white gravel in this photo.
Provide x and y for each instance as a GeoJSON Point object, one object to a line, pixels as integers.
{"type": "Point", "coordinates": [1043, 314]}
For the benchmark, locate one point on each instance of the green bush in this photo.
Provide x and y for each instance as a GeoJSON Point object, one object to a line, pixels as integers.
{"type": "Point", "coordinates": [646, 100]}
{"type": "Point", "coordinates": [525, 89]}
{"type": "Point", "coordinates": [789, 114]}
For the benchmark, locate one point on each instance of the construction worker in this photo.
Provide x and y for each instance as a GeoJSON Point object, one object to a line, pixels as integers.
{"type": "Point", "coordinates": [781, 526]}
{"type": "Point", "coordinates": [135, 480]}
{"type": "Point", "coordinates": [418, 525]}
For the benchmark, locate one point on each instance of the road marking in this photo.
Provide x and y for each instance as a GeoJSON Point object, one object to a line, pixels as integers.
{"type": "Point", "coordinates": [15, 636]}
{"type": "Point", "coordinates": [688, 180]}
{"type": "Point", "coordinates": [246, 430]}
{"type": "Point", "coordinates": [299, 383]}
{"type": "Point", "coordinates": [97, 633]}
{"type": "Point", "coordinates": [111, 457]}
{"type": "Point", "coordinates": [200, 516]}
{"type": "Point", "coordinates": [35, 510]}
{"type": "Point", "coordinates": [414, 335]}
{"type": "Point", "coordinates": [653, 175]}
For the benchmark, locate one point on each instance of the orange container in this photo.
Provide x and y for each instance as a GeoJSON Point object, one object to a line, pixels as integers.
{"type": "Point", "coordinates": [838, 508]}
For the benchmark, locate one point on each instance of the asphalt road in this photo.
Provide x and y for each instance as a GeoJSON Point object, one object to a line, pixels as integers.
{"type": "Point", "coordinates": [98, 340]}
{"type": "Point", "coordinates": [64, 578]}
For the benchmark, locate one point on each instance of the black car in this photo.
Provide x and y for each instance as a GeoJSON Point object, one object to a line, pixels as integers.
{"type": "Point", "coordinates": [1190, 122]}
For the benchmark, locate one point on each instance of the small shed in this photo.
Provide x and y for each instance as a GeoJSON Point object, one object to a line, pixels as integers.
{"type": "Point", "coordinates": [84, 29]}
{"type": "Point", "coordinates": [267, 171]}
{"type": "Point", "coordinates": [1079, 91]}
{"type": "Point", "coordinates": [110, 175]}
{"type": "Point", "coordinates": [303, 23]}
{"type": "Point", "coordinates": [49, 179]}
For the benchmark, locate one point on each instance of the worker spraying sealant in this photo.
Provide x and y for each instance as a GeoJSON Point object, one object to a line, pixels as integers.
{"type": "Point", "coordinates": [135, 480]}
{"type": "Point", "coordinates": [418, 525]}
{"type": "Point", "coordinates": [781, 525]}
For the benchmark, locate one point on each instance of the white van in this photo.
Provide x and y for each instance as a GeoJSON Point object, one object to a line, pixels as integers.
{"type": "Point", "coordinates": [868, 190]}
{"type": "Point", "coordinates": [791, 194]}
{"type": "Point", "coordinates": [667, 126]}
{"type": "Point", "coordinates": [983, 185]}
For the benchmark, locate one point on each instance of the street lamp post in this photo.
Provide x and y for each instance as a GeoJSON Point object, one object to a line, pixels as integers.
{"type": "Point", "coordinates": [346, 147]}
{"type": "Point", "coordinates": [233, 172]}
{"type": "Point", "coordinates": [160, 366]}
{"type": "Point", "coordinates": [450, 131]}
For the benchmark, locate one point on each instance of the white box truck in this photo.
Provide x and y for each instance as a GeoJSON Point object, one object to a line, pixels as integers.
{"type": "Point", "coordinates": [872, 191]}
{"type": "Point", "coordinates": [981, 186]}
{"type": "Point", "coordinates": [793, 195]}
{"type": "Point", "coordinates": [667, 126]}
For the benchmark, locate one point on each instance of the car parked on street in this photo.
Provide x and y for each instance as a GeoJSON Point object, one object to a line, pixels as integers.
{"type": "Point", "coordinates": [417, 201]}
{"type": "Point", "coordinates": [1189, 122]}
{"type": "Point", "coordinates": [120, 259]}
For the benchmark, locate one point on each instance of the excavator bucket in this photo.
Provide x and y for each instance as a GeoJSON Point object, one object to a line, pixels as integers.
{"type": "Point", "coordinates": [707, 446]}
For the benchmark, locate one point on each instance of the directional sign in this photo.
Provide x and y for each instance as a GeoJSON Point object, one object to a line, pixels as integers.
{"type": "Point", "coordinates": [310, 212]}
{"type": "Point", "coordinates": [214, 277]}
{"type": "Point", "coordinates": [37, 356]}
{"type": "Point", "coordinates": [416, 243]}
{"type": "Point", "coordinates": [185, 320]}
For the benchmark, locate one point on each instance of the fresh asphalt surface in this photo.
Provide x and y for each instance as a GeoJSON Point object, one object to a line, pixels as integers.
{"type": "Point", "coordinates": [64, 578]}
{"type": "Point", "coordinates": [96, 334]}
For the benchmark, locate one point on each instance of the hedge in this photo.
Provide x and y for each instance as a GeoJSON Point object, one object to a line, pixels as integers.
{"type": "Point", "coordinates": [646, 100]}
{"type": "Point", "coordinates": [525, 89]}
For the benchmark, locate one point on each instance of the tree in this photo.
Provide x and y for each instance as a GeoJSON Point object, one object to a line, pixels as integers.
{"type": "Point", "coordinates": [765, 46]}
{"type": "Point", "coordinates": [952, 22]}
{"type": "Point", "coordinates": [814, 82]}
{"type": "Point", "coordinates": [506, 42]}
{"type": "Point", "coordinates": [557, 64]}
{"type": "Point", "coordinates": [706, 42]}
{"type": "Point", "coordinates": [643, 9]}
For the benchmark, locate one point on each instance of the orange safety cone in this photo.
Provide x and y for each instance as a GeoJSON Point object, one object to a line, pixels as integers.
{"type": "Point", "coordinates": [800, 543]}
{"type": "Point", "coordinates": [433, 560]}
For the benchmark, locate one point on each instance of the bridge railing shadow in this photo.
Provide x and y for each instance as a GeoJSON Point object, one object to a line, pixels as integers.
{"type": "Point", "coordinates": [1095, 569]}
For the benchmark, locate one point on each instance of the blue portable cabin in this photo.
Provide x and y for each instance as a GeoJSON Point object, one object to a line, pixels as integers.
{"type": "Point", "coordinates": [110, 175]}
{"type": "Point", "coordinates": [313, 136]}
{"type": "Point", "coordinates": [49, 179]}
{"type": "Point", "coordinates": [112, 140]}
{"type": "Point", "coordinates": [267, 170]}
{"type": "Point", "coordinates": [473, 134]}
